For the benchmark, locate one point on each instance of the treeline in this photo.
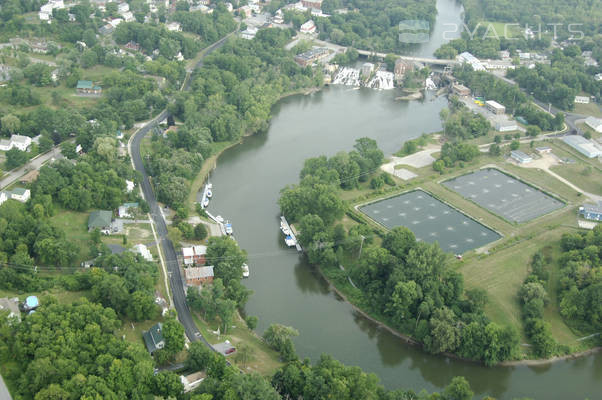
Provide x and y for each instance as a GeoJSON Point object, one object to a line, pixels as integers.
{"type": "Point", "coordinates": [559, 82]}
{"type": "Point", "coordinates": [533, 298]}
{"type": "Point", "coordinates": [484, 42]}
{"type": "Point", "coordinates": [327, 378]}
{"type": "Point", "coordinates": [409, 284]}
{"type": "Point", "coordinates": [151, 37]}
{"type": "Point", "coordinates": [368, 24]}
{"type": "Point", "coordinates": [321, 177]}
{"type": "Point", "coordinates": [460, 123]}
{"type": "Point", "coordinates": [515, 101]}
{"type": "Point", "coordinates": [453, 153]}
{"type": "Point", "coordinates": [72, 351]}
{"type": "Point", "coordinates": [210, 27]}
{"type": "Point", "coordinates": [580, 290]}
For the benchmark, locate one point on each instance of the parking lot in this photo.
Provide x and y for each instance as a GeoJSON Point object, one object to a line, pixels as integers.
{"type": "Point", "coordinates": [431, 220]}
{"type": "Point", "coordinates": [503, 195]}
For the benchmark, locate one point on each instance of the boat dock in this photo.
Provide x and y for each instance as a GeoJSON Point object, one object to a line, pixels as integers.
{"type": "Point", "coordinates": [207, 194]}
{"type": "Point", "coordinates": [284, 223]}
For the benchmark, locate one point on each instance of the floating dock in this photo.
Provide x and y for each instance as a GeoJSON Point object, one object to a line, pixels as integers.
{"type": "Point", "coordinates": [207, 194]}
{"type": "Point", "coordinates": [284, 223]}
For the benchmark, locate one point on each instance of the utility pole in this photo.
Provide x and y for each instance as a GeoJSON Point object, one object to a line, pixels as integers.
{"type": "Point", "coordinates": [361, 246]}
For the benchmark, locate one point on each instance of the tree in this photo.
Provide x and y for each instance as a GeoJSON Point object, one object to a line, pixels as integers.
{"type": "Point", "coordinates": [200, 231]}
{"type": "Point", "coordinates": [173, 333]}
{"type": "Point", "coordinates": [399, 241]}
{"type": "Point", "coordinates": [458, 389]}
{"type": "Point", "coordinates": [199, 356]}
{"type": "Point", "coordinates": [445, 335]}
{"type": "Point", "coordinates": [251, 321]}
{"type": "Point", "coordinates": [279, 338]}
{"type": "Point", "coordinates": [495, 150]}
{"type": "Point", "coordinates": [244, 354]}
{"type": "Point", "coordinates": [225, 310]}
{"type": "Point", "coordinates": [10, 124]}
{"type": "Point", "coordinates": [514, 145]}
{"type": "Point", "coordinates": [15, 158]}
{"type": "Point", "coordinates": [167, 384]}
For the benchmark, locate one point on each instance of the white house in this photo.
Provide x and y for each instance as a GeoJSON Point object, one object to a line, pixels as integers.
{"type": "Point", "coordinates": [20, 194]}
{"type": "Point", "coordinates": [248, 33]}
{"type": "Point", "coordinates": [582, 99]}
{"type": "Point", "coordinates": [129, 186]}
{"type": "Point", "coordinates": [594, 123]}
{"type": "Point", "coordinates": [3, 197]}
{"type": "Point", "coordinates": [143, 251]}
{"type": "Point", "coordinates": [128, 16]}
{"type": "Point", "coordinates": [174, 27]}
{"type": "Point", "coordinates": [123, 8]}
{"type": "Point", "coordinates": [115, 21]}
{"type": "Point", "coordinates": [16, 141]}
{"type": "Point", "coordinates": [308, 27]}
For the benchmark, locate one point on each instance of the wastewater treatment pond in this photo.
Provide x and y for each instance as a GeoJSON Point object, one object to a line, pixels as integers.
{"type": "Point", "coordinates": [431, 221]}
{"type": "Point", "coordinates": [504, 195]}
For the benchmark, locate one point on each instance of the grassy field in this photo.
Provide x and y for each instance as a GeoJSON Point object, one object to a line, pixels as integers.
{"type": "Point", "coordinates": [265, 361]}
{"type": "Point", "coordinates": [75, 226]}
{"type": "Point", "coordinates": [591, 108]}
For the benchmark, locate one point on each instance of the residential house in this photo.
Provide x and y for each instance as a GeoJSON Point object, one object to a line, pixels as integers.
{"type": "Point", "coordinates": [131, 45]}
{"type": "Point", "coordinates": [520, 157]}
{"type": "Point", "coordinates": [192, 381]}
{"type": "Point", "coordinates": [4, 196]}
{"type": "Point", "coordinates": [309, 27]}
{"type": "Point", "coordinates": [594, 123]}
{"type": "Point", "coordinates": [153, 338]}
{"type": "Point", "coordinates": [249, 33]}
{"type": "Point", "coordinates": [115, 21]}
{"type": "Point", "coordinates": [143, 251]}
{"type": "Point", "coordinates": [582, 99]}
{"type": "Point", "coordinates": [100, 219]}
{"type": "Point", "coordinates": [20, 194]}
{"type": "Point", "coordinates": [129, 186]}
{"type": "Point", "coordinates": [126, 210]}
{"type": "Point", "coordinates": [12, 306]}
{"type": "Point", "coordinates": [278, 17]}
{"type": "Point", "coordinates": [123, 7]}
{"type": "Point", "coordinates": [196, 276]}
{"type": "Point", "coordinates": [128, 16]}
{"type": "Point", "coordinates": [194, 255]}
{"type": "Point", "coordinates": [106, 29]}
{"type": "Point", "coordinates": [591, 211]}
{"type": "Point", "coordinates": [312, 4]}
{"type": "Point", "coordinates": [174, 27]}
{"type": "Point", "coordinates": [87, 87]}
{"type": "Point", "coordinates": [16, 141]}
{"type": "Point", "coordinates": [30, 304]}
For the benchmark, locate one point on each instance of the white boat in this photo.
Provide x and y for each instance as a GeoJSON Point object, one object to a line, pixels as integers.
{"type": "Point", "coordinates": [219, 219]}
{"type": "Point", "coordinates": [290, 242]}
{"type": "Point", "coordinates": [245, 270]}
{"type": "Point", "coordinates": [285, 230]}
{"type": "Point", "coordinates": [228, 227]}
{"type": "Point", "coordinates": [209, 194]}
{"type": "Point", "coordinates": [206, 203]}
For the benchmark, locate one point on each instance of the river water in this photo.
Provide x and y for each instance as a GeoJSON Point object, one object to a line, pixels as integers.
{"type": "Point", "coordinates": [287, 290]}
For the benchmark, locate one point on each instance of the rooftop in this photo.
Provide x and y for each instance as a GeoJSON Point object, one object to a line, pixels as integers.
{"type": "Point", "coordinates": [84, 84]}
{"type": "Point", "coordinates": [153, 337]}
{"type": "Point", "coordinates": [100, 219]}
{"type": "Point", "coordinates": [199, 272]}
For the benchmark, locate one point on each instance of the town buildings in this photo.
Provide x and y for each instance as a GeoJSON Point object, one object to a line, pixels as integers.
{"type": "Point", "coordinates": [520, 157]}
{"type": "Point", "coordinates": [495, 107]}
{"type": "Point", "coordinates": [594, 123]}
{"type": "Point", "coordinates": [194, 255]}
{"type": "Point", "coordinates": [196, 276]}
{"type": "Point", "coordinates": [311, 56]}
{"type": "Point", "coordinates": [583, 145]}
{"type": "Point", "coordinates": [88, 87]}
{"type": "Point", "coordinates": [309, 27]}
{"type": "Point", "coordinates": [592, 212]}
{"type": "Point", "coordinates": [460, 90]}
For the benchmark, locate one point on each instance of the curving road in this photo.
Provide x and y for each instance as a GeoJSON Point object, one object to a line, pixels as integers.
{"type": "Point", "coordinates": [169, 252]}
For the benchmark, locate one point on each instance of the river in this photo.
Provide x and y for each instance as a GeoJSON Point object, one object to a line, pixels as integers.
{"type": "Point", "coordinates": [287, 290]}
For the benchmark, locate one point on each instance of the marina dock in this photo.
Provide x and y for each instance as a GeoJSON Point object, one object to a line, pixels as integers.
{"type": "Point", "coordinates": [284, 223]}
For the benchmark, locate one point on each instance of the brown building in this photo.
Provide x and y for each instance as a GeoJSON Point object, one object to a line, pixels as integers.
{"type": "Point", "coordinates": [196, 276]}
{"type": "Point", "coordinates": [402, 67]}
{"type": "Point", "coordinates": [315, 4]}
{"type": "Point", "coordinates": [460, 90]}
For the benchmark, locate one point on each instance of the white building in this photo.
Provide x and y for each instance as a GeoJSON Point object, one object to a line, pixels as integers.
{"type": "Point", "coordinates": [123, 8]}
{"type": "Point", "coordinates": [174, 27]}
{"type": "Point", "coordinates": [582, 99]}
{"type": "Point", "coordinates": [115, 21]}
{"type": "Point", "coordinates": [520, 157]}
{"type": "Point", "coordinates": [143, 251]}
{"type": "Point", "coordinates": [594, 123]}
{"type": "Point", "coordinates": [16, 141]}
{"type": "Point", "coordinates": [505, 126]}
{"type": "Point", "coordinates": [309, 27]}
{"type": "Point", "coordinates": [474, 62]}
{"type": "Point", "coordinates": [249, 33]}
{"type": "Point", "coordinates": [583, 145]}
{"type": "Point", "coordinates": [3, 197]}
{"type": "Point", "coordinates": [129, 185]}
{"type": "Point", "coordinates": [20, 194]}
{"type": "Point", "coordinates": [128, 16]}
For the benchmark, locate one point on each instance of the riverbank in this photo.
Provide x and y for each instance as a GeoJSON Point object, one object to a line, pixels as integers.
{"type": "Point", "coordinates": [410, 340]}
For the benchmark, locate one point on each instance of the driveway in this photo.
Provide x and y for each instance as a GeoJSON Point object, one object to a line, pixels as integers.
{"type": "Point", "coordinates": [4, 394]}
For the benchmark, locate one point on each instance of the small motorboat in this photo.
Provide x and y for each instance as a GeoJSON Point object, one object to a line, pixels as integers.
{"type": "Point", "coordinates": [209, 193]}
{"type": "Point", "coordinates": [285, 230]}
{"type": "Point", "coordinates": [290, 242]}
{"type": "Point", "coordinates": [245, 270]}
{"type": "Point", "coordinates": [228, 227]}
{"type": "Point", "coordinates": [219, 219]}
{"type": "Point", "coordinates": [206, 203]}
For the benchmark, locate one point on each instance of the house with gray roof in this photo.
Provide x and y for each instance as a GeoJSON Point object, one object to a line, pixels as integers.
{"type": "Point", "coordinates": [100, 219]}
{"type": "Point", "coordinates": [153, 338]}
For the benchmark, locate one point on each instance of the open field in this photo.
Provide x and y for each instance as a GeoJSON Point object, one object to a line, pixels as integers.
{"type": "Point", "coordinates": [75, 226]}
{"type": "Point", "coordinates": [591, 108]}
{"type": "Point", "coordinates": [265, 361]}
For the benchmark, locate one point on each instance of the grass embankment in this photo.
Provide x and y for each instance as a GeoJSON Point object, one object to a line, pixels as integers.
{"type": "Point", "coordinates": [591, 108]}
{"type": "Point", "coordinates": [264, 360]}
{"type": "Point", "coordinates": [75, 226]}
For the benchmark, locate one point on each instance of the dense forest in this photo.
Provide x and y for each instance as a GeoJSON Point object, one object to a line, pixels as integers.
{"type": "Point", "coordinates": [368, 24]}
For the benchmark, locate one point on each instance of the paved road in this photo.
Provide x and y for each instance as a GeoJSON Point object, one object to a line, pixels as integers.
{"type": "Point", "coordinates": [4, 394]}
{"type": "Point", "coordinates": [36, 163]}
{"type": "Point", "coordinates": [171, 261]}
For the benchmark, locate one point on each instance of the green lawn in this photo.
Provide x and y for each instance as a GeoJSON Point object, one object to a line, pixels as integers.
{"type": "Point", "coordinates": [584, 176]}
{"type": "Point", "coordinates": [265, 360]}
{"type": "Point", "coordinates": [591, 108]}
{"type": "Point", "coordinates": [75, 226]}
